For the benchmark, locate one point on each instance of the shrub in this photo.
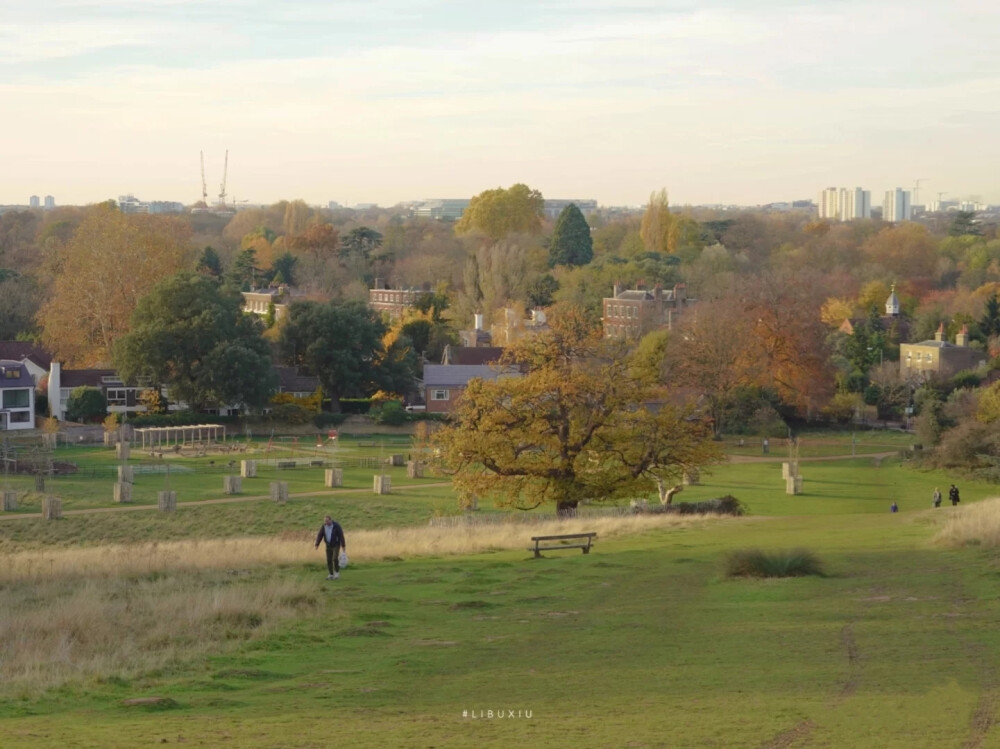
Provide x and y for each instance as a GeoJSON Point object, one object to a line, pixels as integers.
{"type": "Point", "coordinates": [757, 563]}
{"type": "Point", "coordinates": [327, 419]}
{"type": "Point", "coordinates": [290, 413]}
{"type": "Point", "coordinates": [390, 413]}
{"type": "Point", "coordinates": [355, 405]}
{"type": "Point", "coordinates": [86, 404]}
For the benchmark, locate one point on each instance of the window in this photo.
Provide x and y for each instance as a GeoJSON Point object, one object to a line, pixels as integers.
{"type": "Point", "coordinates": [117, 397]}
{"type": "Point", "coordinates": [20, 398]}
{"type": "Point", "coordinates": [439, 395]}
{"type": "Point", "coordinates": [12, 374]}
{"type": "Point", "coordinates": [19, 417]}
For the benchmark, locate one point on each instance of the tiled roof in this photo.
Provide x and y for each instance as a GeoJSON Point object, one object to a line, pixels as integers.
{"type": "Point", "coordinates": [456, 355]}
{"type": "Point", "coordinates": [437, 375]}
{"type": "Point", "coordinates": [23, 379]}
{"type": "Point", "coordinates": [290, 381]}
{"type": "Point", "coordinates": [20, 350]}
{"type": "Point", "coordinates": [74, 378]}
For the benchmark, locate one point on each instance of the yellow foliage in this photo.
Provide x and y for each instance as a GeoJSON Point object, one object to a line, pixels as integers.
{"type": "Point", "coordinates": [312, 403]}
{"type": "Point", "coordinates": [835, 310]}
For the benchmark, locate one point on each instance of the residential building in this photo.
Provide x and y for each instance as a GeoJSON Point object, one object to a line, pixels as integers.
{"type": "Point", "coordinates": [17, 396]}
{"type": "Point", "coordinates": [477, 337]}
{"type": "Point", "coordinates": [393, 302]}
{"type": "Point", "coordinates": [295, 384]}
{"type": "Point", "coordinates": [631, 313]}
{"type": "Point", "coordinates": [894, 323]}
{"type": "Point", "coordinates": [259, 301]}
{"type": "Point", "coordinates": [471, 354]}
{"type": "Point", "coordinates": [50, 202]}
{"type": "Point", "coordinates": [445, 383]}
{"type": "Point", "coordinates": [35, 359]}
{"type": "Point", "coordinates": [841, 204]}
{"type": "Point", "coordinates": [556, 206]}
{"type": "Point", "coordinates": [919, 361]}
{"type": "Point", "coordinates": [511, 325]}
{"type": "Point", "coordinates": [121, 398]}
{"type": "Point", "coordinates": [896, 206]}
{"type": "Point", "coordinates": [34, 202]}
{"type": "Point", "coordinates": [442, 209]}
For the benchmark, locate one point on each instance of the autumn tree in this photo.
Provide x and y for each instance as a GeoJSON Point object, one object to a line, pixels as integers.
{"type": "Point", "coordinates": [499, 212]}
{"type": "Point", "coordinates": [570, 243]}
{"type": "Point", "coordinates": [574, 427]}
{"type": "Point", "coordinates": [192, 336]}
{"type": "Point", "coordinates": [659, 226]}
{"type": "Point", "coordinates": [111, 262]}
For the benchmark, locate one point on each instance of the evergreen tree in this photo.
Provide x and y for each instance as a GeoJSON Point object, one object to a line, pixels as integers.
{"type": "Point", "coordinates": [571, 243]}
{"type": "Point", "coordinates": [989, 325]}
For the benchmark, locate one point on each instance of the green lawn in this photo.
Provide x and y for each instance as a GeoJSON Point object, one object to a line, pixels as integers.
{"type": "Point", "coordinates": [642, 643]}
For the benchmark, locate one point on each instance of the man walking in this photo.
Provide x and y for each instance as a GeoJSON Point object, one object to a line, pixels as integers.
{"type": "Point", "coordinates": [953, 495]}
{"type": "Point", "coordinates": [331, 533]}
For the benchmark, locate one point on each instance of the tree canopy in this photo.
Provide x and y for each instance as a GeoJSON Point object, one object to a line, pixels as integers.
{"type": "Point", "coordinates": [499, 212]}
{"type": "Point", "coordinates": [577, 426]}
{"type": "Point", "coordinates": [338, 342]}
{"type": "Point", "coordinates": [191, 336]}
{"type": "Point", "coordinates": [571, 243]}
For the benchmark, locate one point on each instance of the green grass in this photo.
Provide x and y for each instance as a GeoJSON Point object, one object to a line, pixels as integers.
{"type": "Point", "coordinates": [644, 642]}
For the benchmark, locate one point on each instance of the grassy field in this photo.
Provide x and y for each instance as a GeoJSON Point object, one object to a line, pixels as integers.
{"type": "Point", "coordinates": [642, 643]}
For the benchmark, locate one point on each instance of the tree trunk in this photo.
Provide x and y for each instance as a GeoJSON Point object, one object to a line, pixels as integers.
{"type": "Point", "coordinates": [667, 495]}
{"type": "Point", "coordinates": [566, 509]}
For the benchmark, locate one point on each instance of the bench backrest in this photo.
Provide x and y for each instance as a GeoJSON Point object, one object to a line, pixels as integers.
{"type": "Point", "coordinates": [567, 536]}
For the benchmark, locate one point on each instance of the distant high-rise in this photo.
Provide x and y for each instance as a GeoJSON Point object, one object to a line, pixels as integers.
{"type": "Point", "coordinates": [50, 202]}
{"type": "Point", "coordinates": [896, 206]}
{"type": "Point", "coordinates": [841, 204]}
{"type": "Point", "coordinates": [34, 201]}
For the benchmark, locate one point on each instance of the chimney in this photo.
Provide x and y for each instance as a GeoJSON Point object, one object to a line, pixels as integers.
{"type": "Point", "coordinates": [939, 336]}
{"type": "Point", "coordinates": [618, 289]}
{"type": "Point", "coordinates": [477, 321]}
{"type": "Point", "coordinates": [378, 283]}
{"type": "Point", "coordinates": [680, 293]}
{"type": "Point", "coordinates": [962, 339]}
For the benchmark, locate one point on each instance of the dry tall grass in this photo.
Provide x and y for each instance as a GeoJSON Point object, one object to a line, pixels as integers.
{"type": "Point", "coordinates": [297, 548]}
{"type": "Point", "coordinates": [972, 525]}
{"type": "Point", "coordinates": [122, 610]}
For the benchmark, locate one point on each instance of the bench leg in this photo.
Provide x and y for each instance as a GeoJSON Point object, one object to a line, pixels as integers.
{"type": "Point", "coordinates": [538, 554]}
{"type": "Point", "coordinates": [586, 549]}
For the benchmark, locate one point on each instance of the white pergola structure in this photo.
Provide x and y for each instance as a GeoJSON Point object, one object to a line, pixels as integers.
{"type": "Point", "coordinates": [159, 436]}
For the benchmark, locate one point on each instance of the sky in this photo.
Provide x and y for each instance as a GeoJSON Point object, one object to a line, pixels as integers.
{"type": "Point", "coordinates": [382, 101]}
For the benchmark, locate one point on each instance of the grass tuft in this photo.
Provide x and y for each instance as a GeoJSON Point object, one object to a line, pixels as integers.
{"type": "Point", "coordinates": [757, 563]}
{"type": "Point", "coordinates": [972, 525]}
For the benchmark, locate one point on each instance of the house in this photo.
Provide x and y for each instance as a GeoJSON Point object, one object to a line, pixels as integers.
{"type": "Point", "coordinates": [37, 360]}
{"type": "Point", "coordinates": [895, 324]}
{"type": "Point", "coordinates": [393, 302]}
{"type": "Point", "coordinates": [631, 313]}
{"type": "Point", "coordinates": [510, 325]}
{"type": "Point", "coordinates": [471, 354]}
{"type": "Point", "coordinates": [445, 383]}
{"type": "Point", "coordinates": [295, 384]}
{"type": "Point", "coordinates": [259, 301]}
{"type": "Point", "coordinates": [17, 396]}
{"type": "Point", "coordinates": [121, 398]}
{"type": "Point", "coordinates": [939, 357]}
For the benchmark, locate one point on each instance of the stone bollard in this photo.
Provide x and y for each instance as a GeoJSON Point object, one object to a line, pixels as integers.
{"type": "Point", "coordinates": [793, 485]}
{"type": "Point", "coordinates": [333, 477]}
{"type": "Point", "coordinates": [9, 501]}
{"type": "Point", "coordinates": [248, 469]}
{"type": "Point", "coordinates": [50, 441]}
{"type": "Point", "coordinates": [51, 507]}
{"type": "Point", "coordinates": [397, 460]}
{"type": "Point", "coordinates": [166, 501]}
{"type": "Point", "coordinates": [279, 491]}
{"type": "Point", "coordinates": [123, 492]}
{"type": "Point", "coordinates": [692, 477]}
{"type": "Point", "coordinates": [121, 450]}
{"type": "Point", "coordinates": [414, 469]}
{"type": "Point", "coordinates": [39, 482]}
{"type": "Point", "coordinates": [232, 484]}
{"type": "Point", "coordinates": [109, 439]}
{"type": "Point", "coordinates": [383, 484]}
{"type": "Point", "coordinates": [126, 474]}
{"type": "Point", "coordinates": [789, 470]}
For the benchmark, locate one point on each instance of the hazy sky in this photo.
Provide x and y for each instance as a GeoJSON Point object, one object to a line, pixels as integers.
{"type": "Point", "coordinates": [746, 101]}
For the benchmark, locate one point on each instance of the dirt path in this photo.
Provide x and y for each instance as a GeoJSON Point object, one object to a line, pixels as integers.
{"type": "Point", "coordinates": [878, 457]}
{"type": "Point", "coordinates": [219, 501]}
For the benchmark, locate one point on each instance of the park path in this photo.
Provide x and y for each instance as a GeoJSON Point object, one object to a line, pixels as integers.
{"type": "Point", "coordinates": [218, 501]}
{"type": "Point", "coordinates": [819, 458]}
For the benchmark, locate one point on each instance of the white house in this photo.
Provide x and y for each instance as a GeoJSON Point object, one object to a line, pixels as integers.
{"type": "Point", "coordinates": [17, 396]}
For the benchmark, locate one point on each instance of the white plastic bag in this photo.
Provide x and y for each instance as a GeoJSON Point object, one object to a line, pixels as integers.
{"type": "Point", "coordinates": [343, 559]}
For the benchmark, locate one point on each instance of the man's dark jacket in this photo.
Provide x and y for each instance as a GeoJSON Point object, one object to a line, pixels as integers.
{"type": "Point", "coordinates": [336, 538]}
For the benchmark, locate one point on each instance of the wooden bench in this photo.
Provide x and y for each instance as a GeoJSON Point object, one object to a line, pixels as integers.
{"type": "Point", "coordinates": [286, 464]}
{"type": "Point", "coordinates": [579, 537]}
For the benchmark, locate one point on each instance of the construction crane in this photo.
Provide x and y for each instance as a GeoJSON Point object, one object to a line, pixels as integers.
{"type": "Point", "coordinates": [204, 186]}
{"type": "Point", "coordinates": [222, 187]}
{"type": "Point", "coordinates": [916, 190]}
